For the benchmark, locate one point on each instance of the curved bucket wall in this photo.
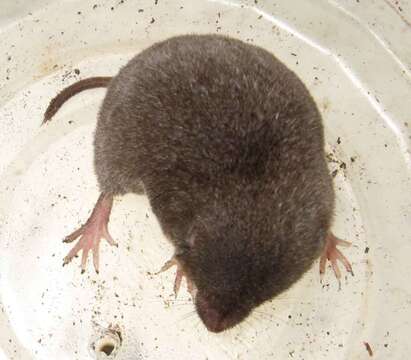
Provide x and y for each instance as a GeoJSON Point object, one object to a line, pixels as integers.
{"type": "Point", "coordinates": [355, 58]}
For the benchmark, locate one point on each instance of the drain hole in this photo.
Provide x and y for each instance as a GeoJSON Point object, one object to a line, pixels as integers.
{"type": "Point", "coordinates": [108, 342]}
{"type": "Point", "coordinates": [107, 348]}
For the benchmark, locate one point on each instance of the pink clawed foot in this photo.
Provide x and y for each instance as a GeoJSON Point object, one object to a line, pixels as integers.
{"type": "Point", "coordinates": [332, 254]}
{"type": "Point", "coordinates": [91, 233]}
{"type": "Point", "coordinates": [179, 277]}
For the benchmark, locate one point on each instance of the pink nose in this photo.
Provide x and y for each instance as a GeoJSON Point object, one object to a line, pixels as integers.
{"type": "Point", "coordinates": [215, 320]}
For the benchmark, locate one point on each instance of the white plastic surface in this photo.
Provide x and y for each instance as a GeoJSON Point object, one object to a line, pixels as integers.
{"type": "Point", "coordinates": [355, 57]}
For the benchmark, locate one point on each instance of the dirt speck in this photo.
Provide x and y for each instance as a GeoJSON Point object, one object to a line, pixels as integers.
{"type": "Point", "coordinates": [325, 104]}
{"type": "Point", "coordinates": [368, 348]}
{"type": "Point", "coordinates": [48, 65]}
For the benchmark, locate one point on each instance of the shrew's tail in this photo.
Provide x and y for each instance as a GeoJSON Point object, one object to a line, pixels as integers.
{"type": "Point", "coordinates": [68, 92]}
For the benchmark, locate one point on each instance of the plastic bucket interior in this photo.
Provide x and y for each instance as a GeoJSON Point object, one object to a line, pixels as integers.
{"type": "Point", "coordinates": [355, 58]}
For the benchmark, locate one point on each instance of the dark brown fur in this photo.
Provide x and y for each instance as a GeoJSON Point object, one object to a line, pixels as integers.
{"type": "Point", "coordinates": [229, 146]}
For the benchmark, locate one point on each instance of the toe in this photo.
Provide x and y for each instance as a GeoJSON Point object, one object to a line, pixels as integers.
{"type": "Point", "coordinates": [84, 259]}
{"type": "Point", "coordinates": [169, 264]}
{"type": "Point", "coordinates": [177, 282]}
{"type": "Point", "coordinates": [108, 237]}
{"type": "Point", "coordinates": [344, 261]}
{"type": "Point", "coordinates": [343, 243]}
{"type": "Point", "coordinates": [73, 252]}
{"type": "Point", "coordinates": [335, 268]}
{"type": "Point", "coordinates": [179, 276]}
{"type": "Point", "coordinates": [192, 290]}
{"type": "Point", "coordinates": [335, 241]}
{"type": "Point", "coordinates": [96, 256]}
{"type": "Point", "coordinates": [337, 272]}
{"type": "Point", "coordinates": [74, 235]}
